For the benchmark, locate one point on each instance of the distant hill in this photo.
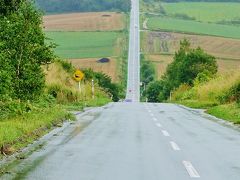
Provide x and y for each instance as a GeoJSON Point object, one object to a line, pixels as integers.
{"type": "Point", "coordinates": [62, 6]}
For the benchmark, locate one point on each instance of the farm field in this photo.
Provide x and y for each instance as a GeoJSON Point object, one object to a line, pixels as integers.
{"type": "Point", "coordinates": [159, 48]}
{"type": "Point", "coordinates": [100, 21]}
{"type": "Point", "coordinates": [161, 61]}
{"type": "Point", "coordinates": [76, 45]}
{"type": "Point", "coordinates": [189, 26]}
{"type": "Point", "coordinates": [109, 68]}
{"type": "Point", "coordinates": [168, 43]}
{"type": "Point", "coordinates": [205, 11]}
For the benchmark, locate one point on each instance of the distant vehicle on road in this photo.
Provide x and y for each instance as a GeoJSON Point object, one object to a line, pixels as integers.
{"type": "Point", "coordinates": [128, 100]}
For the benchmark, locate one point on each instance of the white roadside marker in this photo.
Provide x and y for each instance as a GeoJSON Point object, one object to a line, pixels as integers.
{"type": "Point", "coordinates": [174, 146]}
{"type": "Point", "coordinates": [190, 169]}
{"type": "Point", "coordinates": [158, 125]}
{"type": "Point", "coordinates": [165, 133]}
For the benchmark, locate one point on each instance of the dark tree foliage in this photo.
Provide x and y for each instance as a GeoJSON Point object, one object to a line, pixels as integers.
{"type": "Point", "coordinates": [187, 65]}
{"type": "Point", "coordinates": [22, 52]}
{"type": "Point", "coordinates": [9, 6]}
{"type": "Point", "coordinates": [104, 81]}
{"type": "Point", "coordinates": [59, 6]}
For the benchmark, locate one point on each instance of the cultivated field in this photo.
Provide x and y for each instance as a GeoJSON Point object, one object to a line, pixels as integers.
{"type": "Point", "coordinates": [168, 43]}
{"type": "Point", "coordinates": [76, 45]}
{"type": "Point", "coordinates": [160, 47]}
{"type": "Point", "coordinates": [161, 62]}
{"type": "Point", "coordinates": [189, 26]}
{"type": "Point", "coordinates": [102, 21]}
{"type": "Point", "coordinates": [109, 68]}
{"type": "Point", "coordinates": [205, 11]}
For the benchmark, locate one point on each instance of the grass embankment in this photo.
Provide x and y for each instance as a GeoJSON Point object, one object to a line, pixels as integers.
{"type": "Point", "coordinates": [219, 96]}
{"type": "Point", "coordinates": [23, 122]}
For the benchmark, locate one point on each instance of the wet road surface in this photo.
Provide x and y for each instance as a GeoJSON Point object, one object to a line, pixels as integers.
{"type": "Point", "coordinates": [136, 141]}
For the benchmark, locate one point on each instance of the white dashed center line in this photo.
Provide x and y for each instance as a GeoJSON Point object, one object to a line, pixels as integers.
{"type": "Point", "coordinates": [165, 133]}
{"type": "Point", "coordinates": [190, 169]}
{"type": "Point", "coordinates": [151, 114]}
{"type": "Point", "coordinates": [154, 119]}
{"type": "Point", "coordinates": [174, 146]}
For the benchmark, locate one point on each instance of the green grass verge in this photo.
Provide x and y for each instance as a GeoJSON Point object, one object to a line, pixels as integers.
{"type": "Point", "coordinates": [197, 104]}
{"type": "Point", "coordinates": [205, 11]}
{"type": "Point", "coordinates": [229, 112]}
{"type": "Point", "coordinates": [84, 44]}
{"type": "Point", "coordinates": [21, 130]}
{"type": "Point", "coordinates": [188, 26]}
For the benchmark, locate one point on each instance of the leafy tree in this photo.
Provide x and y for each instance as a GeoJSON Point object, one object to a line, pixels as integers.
{"type": "Point", "coordinates": [188, 64]}
{"type": "Point", "coordinates": [153, 91]}
{"type": "Point", "coordinates": [22, 52]}
{"type": "Point", "coordinates": [105, 82]}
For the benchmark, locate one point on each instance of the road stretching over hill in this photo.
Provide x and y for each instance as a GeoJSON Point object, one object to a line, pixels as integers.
{"type": "Point", "coordinates": [136, 141]}
{"type": "Point", "coordinates": [133, 82]}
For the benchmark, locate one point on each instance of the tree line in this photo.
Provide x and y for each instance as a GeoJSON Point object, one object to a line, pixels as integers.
{"type": "Point", "coordinates": [61, 6]}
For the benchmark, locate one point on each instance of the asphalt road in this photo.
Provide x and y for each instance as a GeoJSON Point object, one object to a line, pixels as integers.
{"type": "Point", "coordinates": [136, 141]}
{"type": "Point", "coordinates": [133, 83]}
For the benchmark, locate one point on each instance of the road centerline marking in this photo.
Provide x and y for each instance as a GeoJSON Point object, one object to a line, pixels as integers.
{"type": "Point", "coordinates": [154, 119]}
{"type": "Point", "coordinates": [165, 133]}
{"type": "Point", "coordinates": [190, 169]}
{"type": "Point", "coordinates": [174, 146]}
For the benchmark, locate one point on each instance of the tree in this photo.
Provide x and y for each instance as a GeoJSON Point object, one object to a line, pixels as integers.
{"type": "Point", "coordinates": [187, 65]}
{"type": "Point", "coordinates": [22, 52]}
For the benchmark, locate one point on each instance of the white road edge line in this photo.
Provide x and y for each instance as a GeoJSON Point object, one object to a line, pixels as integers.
{"type": "Point", "coordinates": [175, 146]}
{"type": "Point", "coordinates": [165, 133]}
{"type": "Point", "coordinates": [190, 169]}
{"type": "Point", "coordinates": [158, 125]}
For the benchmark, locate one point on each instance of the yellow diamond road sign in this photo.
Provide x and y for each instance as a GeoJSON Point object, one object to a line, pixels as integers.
{"type": "Point", "coordinates": [78, 75]}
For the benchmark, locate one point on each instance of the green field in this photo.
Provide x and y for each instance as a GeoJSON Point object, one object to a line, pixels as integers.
{"type": "Point", "coordinates": [76, 45]}
{"type": "Point", "coordinates": [205, 11]}
{"type": "Point", "coordinates": [188, 26]}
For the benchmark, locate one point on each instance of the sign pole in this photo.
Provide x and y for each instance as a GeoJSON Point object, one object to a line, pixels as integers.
{"type": "Point", "coordinates": [93, 89]}
{"type": "Point", "coordinates": [79, 87]}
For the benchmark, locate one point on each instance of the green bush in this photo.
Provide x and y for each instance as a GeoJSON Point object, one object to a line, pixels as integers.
{"type": "Point", "coordinates": [231, 95]}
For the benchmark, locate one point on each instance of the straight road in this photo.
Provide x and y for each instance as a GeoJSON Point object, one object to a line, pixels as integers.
{"type": "Point", "coordinates": [136, 141]}
{"type": "Point", "coordinates": [133, 82]}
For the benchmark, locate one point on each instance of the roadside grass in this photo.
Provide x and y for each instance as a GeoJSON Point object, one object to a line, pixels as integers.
{"type": "Point", "coordinates": [228, 112]}
{"type": "Point", "coordinates": [189, 26]}
{"type": "Point", "coordinates": [75, 45]}
{"type": "Point", "coordinates": [21, 130]}
{"type": "Point", "coordinates": [205, 11]}
{"type": "Point", "coordinates": [216, 96]}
